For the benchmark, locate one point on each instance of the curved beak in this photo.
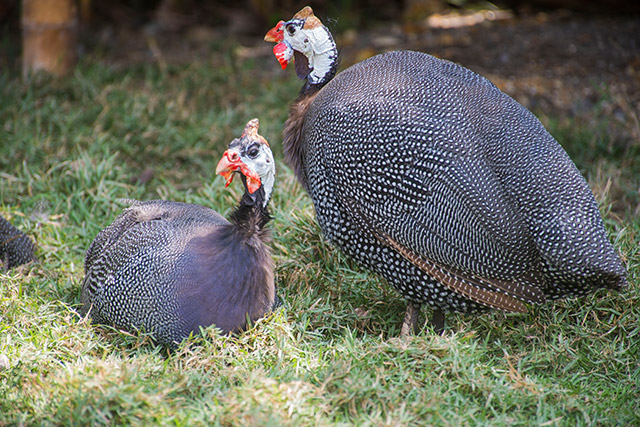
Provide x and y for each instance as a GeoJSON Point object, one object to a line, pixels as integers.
{"type": "Point", "coordinates": [230, 163]}
{"type": "Point", "coordinates": [275, 35]}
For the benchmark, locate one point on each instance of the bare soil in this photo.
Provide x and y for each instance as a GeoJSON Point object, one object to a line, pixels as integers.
{"type": "Point", "coordinates": [558, 63]}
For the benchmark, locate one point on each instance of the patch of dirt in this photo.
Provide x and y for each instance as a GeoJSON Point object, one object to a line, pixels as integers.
{"type": "Point", "coordinates": [560, 62]}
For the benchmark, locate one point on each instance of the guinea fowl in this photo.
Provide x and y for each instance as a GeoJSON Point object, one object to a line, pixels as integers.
{"type": "Point", "coordinates": [16, 248]}
{"type": "Point", "coordinates": [426, 173]}
{"type": "Point", "coordinates": [169, 268]}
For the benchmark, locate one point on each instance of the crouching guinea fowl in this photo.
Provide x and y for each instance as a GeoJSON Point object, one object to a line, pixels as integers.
{"type": "Point", "coordinates": [426, 173]}
{"type": "Point", "coordinates": [16, 248]}
{"type": "Point", "coordinates": [170, 268]}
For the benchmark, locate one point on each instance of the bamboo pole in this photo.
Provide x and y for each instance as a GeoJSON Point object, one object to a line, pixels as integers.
{"type": "Point", "coordinates": [48, 36]}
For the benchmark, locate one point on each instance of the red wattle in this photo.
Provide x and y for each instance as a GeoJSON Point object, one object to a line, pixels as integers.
{"type": "Point", "coordinates": [283, 53]}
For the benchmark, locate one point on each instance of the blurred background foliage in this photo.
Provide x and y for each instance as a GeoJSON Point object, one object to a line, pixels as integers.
{"type": "Point", "coordinates": [250, 16]}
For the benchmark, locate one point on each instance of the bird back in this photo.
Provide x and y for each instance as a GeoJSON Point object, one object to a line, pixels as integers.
{"type": "Point", "coordinates": [439, 160]}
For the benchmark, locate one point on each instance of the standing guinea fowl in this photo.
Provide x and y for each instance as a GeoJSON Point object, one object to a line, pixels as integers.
{"type": "Point", "coordinates": [426, 173]}
{"type": "Point", "coordinates": [170, 268]}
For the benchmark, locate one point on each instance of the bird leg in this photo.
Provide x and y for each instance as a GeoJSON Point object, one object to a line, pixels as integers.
{"type": "Point", "coordinates": [411, 318]}
{"type": "Point", "coordinates": [437, 321]}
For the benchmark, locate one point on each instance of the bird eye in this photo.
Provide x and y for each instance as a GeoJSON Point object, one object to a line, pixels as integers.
{"type": "Point", "coordinates": [291, 29]}
{"type": "Point", "coordinates": [253, 151]}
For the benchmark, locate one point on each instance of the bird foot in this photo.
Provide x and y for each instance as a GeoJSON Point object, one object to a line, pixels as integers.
{"type": "Point", "coordinates": [410, 325]}
{"type": "Point", "coordinates": [411, 318]}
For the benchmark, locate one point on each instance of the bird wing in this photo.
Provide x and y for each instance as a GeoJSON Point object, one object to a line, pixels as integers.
{"type": "Point", "coordinates": [141, 212]}
{"type": "Point", "coordinates": [144, 224]}
{"type": "Point", "coordinates": [491, 292]}
{"type": "Point", "coordinates": [428, 192]}
{"type": "Point", "coordinates": [473, 287]}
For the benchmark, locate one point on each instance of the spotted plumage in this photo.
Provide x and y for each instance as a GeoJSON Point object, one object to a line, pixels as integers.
{"type": "Point", "coordinates": [16, 248]}
{"type": "Point", "coordinates": [426, 173]}
{"type": "Point", "coordinates": [169, 268]}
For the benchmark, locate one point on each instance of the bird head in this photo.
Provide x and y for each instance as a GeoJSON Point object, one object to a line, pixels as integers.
{"type": "Point", "coordinates": [251, 157]}
{"type": "Point", "coordinates": [306, 35]}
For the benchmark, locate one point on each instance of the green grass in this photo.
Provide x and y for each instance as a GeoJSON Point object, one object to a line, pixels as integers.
{"type": "Point", "coordinates": [71, 147]}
